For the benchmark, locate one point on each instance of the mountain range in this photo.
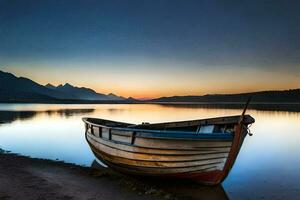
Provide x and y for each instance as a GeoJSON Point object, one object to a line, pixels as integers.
{"type": "Point", "coordinates": [14, 88]}
{"type": "Point", "coordinates": [20, 89]}
{"type": "Point", "coordinates": [73, 92]}
{"type": "Point", "coordinates": [284, 96]}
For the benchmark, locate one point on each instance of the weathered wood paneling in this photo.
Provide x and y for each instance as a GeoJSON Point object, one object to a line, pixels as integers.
{"type": "Point", "coordinates": [182, 144]}
{"type": "Point", "coordinates": [158, 171]}
{"type": "Point", "coordinates": [119, 138]}
{"type": "Point", "coordinates": [151, 157]}
{"type": "Point", "coordinates": [105, 133]}
{"type": "Point", "coordinates": [152, 150]}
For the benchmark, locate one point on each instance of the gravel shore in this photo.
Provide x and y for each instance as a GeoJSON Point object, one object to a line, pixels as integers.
{"type": "Point", "coordinates": [30, 178]}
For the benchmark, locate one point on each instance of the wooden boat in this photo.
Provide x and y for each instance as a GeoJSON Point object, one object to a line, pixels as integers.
{"type": "Point", "coordinates": [203, 150]}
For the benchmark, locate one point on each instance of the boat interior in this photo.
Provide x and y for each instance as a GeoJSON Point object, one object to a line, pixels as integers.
{"type": "Point", "coordinates": [214, 125]}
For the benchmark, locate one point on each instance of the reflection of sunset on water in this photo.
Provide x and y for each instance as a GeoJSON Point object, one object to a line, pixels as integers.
{"type": "Point", "coordinates": [274, 144]}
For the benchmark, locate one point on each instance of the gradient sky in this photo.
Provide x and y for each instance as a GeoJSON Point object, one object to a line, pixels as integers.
{"type": "Point", "coordinates": [150, 48]}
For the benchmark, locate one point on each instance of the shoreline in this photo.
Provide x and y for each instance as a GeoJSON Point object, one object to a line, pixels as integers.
{"type": "Point", "coordinates": [156, 102]}
{"type": "Point", "coordinates": [23, 177]}
{"type": "Point", "coordinates": [260, 106]}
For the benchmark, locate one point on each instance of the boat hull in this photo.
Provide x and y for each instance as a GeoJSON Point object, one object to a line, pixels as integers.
{"type": "Point", "coordinates": [206, 160]}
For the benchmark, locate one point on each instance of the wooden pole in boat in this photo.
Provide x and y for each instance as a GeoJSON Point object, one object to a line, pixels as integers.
{"type": "Point", "coordinates": [244, 111]}
{"type": "Point", "coordinates": [243, 114]}
{"type": "Point", "coordinates": [236, 144]}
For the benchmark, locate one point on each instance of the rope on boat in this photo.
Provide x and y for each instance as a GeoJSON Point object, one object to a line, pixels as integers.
{"type": "Point", "coordinates": [248, 130]}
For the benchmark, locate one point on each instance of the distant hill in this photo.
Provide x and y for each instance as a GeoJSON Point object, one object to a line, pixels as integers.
{"type": "Point", "coordinates": [18, 89]}
{"type": "Point", "coordinates": [15, 88]}
{"type": "Point", "coordinates": [73, 92]}
{"type": "Point", "coordinates": [287, 96]}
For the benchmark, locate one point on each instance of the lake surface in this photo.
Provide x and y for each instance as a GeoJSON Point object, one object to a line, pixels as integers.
{"type": "Point", "coordinates": [268, 165]}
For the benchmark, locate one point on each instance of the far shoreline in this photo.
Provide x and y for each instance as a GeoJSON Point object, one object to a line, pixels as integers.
{"type": "Point", "coordinates": [263, 106]}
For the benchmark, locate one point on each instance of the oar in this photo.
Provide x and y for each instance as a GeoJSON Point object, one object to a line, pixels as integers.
{"type": "Point", "coordinates": [243, 114]}
{"type": "Point", "coordinates": [244, 111]}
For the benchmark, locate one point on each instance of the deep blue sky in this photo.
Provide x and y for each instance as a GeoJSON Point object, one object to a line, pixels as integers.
{"type": "Point", "coordinates": [153, 48]}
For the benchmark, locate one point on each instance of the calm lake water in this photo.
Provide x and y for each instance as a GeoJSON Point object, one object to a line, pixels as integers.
{"type": "Point", "coordinates": [268, 165]}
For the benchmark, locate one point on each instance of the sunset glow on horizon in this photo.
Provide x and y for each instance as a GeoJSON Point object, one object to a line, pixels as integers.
{"type": "Point", "coordinates": [140, 87]}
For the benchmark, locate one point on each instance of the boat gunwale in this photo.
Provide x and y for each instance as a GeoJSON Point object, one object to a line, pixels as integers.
{"type": "Point", "coordinates": [205, 121]}
{"type": "Point", "coordinates": [163, 134]}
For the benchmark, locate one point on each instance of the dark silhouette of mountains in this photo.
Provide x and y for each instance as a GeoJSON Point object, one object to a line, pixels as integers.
{"type": "Point", "coordinates": [15, 88]}
{"type": "Point", "coordinates": [72, 92]}
{"type": "Point", "coordinates": [285, 96]}
{"type": "Point", "coordinates": [18, 89]}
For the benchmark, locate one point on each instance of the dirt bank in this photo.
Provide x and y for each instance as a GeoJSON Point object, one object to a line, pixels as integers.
{"type": "Point", "coordinates": [29, 178]}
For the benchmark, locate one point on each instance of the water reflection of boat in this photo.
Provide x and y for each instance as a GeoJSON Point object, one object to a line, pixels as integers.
{"type": "Point", "coordinates": [203, 150]}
